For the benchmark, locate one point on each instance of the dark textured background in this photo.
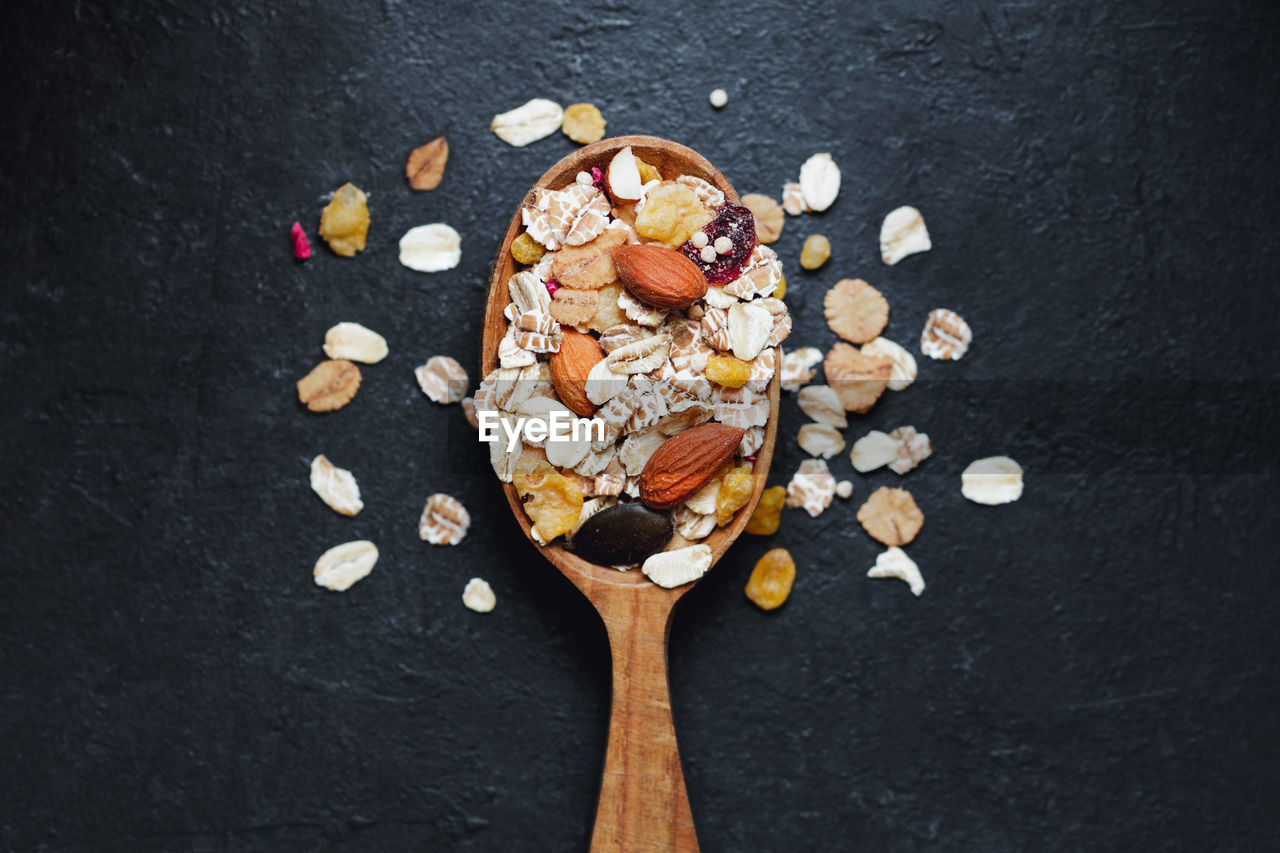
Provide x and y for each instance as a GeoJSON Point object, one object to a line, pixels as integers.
{"type": "Point", "coordinates": [1092, 668]}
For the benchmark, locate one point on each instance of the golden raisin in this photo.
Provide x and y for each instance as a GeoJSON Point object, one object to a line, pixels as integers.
{"type": "Point", "coordinates": [344, 222]}
{"type": "Point", "coordinates": [815, 252]}
{"type": "Point", "coordinates": [555, 505]}
{"type": "Point", "coordinates": [531, 470]}
{"type": "Point", "coordinates": [583, 123]}
{"type": "Point", "coordinates": [782, 288]}
{"type": "Point", "coordinates": [728, 371]}
{"type": "Point", "coordinates": [671, 213]}
{"type": "Point", "coordinates": [771, 579]}
{"type": "Point", "coordinates": [735, 491]}
{"type": "Point", "coordinates": [764, 521]}
{"type": "Point", "coordinates": [647, 173]}
{"type": "Point", "coordinates": [526, 250]}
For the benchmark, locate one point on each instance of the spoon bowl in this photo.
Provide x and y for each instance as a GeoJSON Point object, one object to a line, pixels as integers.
{"type": "Point", "coordinates": [643, 804]}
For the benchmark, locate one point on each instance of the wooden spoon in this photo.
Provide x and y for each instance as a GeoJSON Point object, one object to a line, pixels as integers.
{"type": "Point", "coordinates": [643, 804]}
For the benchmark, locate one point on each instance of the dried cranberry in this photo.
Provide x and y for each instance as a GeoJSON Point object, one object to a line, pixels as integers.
{"type": "Point", "coordinates": [597, 178]}
{"type": "Point", "coordinates": [301, 247]}
{"type": "Point", "coordinates": [735, 222]}
{"type": "Point", "coordinates": [552, 286]}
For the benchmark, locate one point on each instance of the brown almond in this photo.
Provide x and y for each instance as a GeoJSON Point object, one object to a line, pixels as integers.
{"type": "Point", "coordinates": [658, 276]}
{"type": "Point", "coordinates": [570, 365]}
{"type": "Point", "coordinates": [425, 167]}
{"type": "Point", "coordinates": [329, 386]}
{"type": "Point", "coordinates": [685, 463]}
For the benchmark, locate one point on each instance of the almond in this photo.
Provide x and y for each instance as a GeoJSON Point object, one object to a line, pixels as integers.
{"type": "Point", "coordinates": [569, 368]}
{"type": "Point", "coordinates": [685, 462]}
{"type": "Point", "coordinates": [658, 276]}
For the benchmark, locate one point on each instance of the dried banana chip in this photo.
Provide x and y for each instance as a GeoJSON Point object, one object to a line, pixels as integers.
{"type": "Point", "coordinates": [444, 520]}
{"type": "Point", "coordinates": [894, 563]}
{"type": "Point", "coordinates": [343, 565]}
{"type": "Point", "coordinates": [855, 310]}
{"type": "Point", "coordinates": [355, 343]}
{"type": "Point", "coordinates": [528, 122]}
{"type": "Point", "coordinates": [902, 234]}
{"type": "Point", "coordinates": [478, 596]}
{"type": "Point", "coordinates": [992, 481]}
{"type": "Point", "coordinates": [821, 440]}
{"type": "Point", "coordinates": [891, 516]}
{"type": "Point", "coordinates": [798, 367]}
{"type": "Point", "coordinates": [431, 248]}
{"type": "Point", "coordinates": [336, 486]}
{"type": "Point", "coordinates": [903, 372]}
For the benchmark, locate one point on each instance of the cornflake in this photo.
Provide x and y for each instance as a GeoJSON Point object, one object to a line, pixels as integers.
{"type": "Point", "coordinates": [329, 386]}
{"type": "Point", "coordinates": [902, 234]}
{"type": "Point", "coordinates": [903, 372]}
{"type": "Point", "coordinates": [811, 487]}
{"type": "Point", "coordinates": [913, 448]}
{"type": "Point", "coordinates": [431, 248]}
{"type": "Point", "coordinates": [992, 481]}
{"type": "Point", "coordinates": [343, 565]}
{"type": "Point", "coordinates": [444, 520]}
{"type": "Point", "coordinates": [336, 486]}
{"type": "Point", "coordinates": [894, 563]}
{"type": "Point", "coordinates": [355, 343]}
{"type": "Point", "coordinates": [768, 214]}
{"type": "Point", "coordinates": [528, 122]}
{"type": "Point", "coordinates": [858, 379]}
{"type": "Point", "coordinates": [891, 516]}
{"type": "Point", "coordinates": [442, 379]}
{"type": "Point", "coordinates": [671, 569]}
{"type": "Point", "coordinates": [946, 336]}
{"type": "Point", "coordinates": [855, 310]}
{"type": "Point", "coordinates": [478, 596]}
{"type": "Point", "coordinates": [820, 440]}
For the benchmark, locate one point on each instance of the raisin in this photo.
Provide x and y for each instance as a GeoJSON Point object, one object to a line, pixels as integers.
{"type": "Point", "coordinates": [817, 249]}
{"type": "Point", "coordinates": [771, 579]}
{"type": "Point", "coordinates": [526, 250]}
{"type": "Point", "coordinates": [734, 223]}
{"type": "Point", "coordinates": [735, 491]}
{"type": "Point", "coordinates": [727, 371]}
{"type": "Point", "coordinates": [344, 222]}
{"type": "Point", "coordinates": [764, 521]}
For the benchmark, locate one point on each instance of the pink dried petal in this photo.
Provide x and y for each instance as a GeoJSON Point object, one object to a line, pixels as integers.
{"type": "Point", "coordinates": [301, 248]}
{"type": "Point", "coordinates": [597, 178]}
{"type": "Point", "coordinates": [751, 458]}
{"type": "Point", "coordinates": [552, 286]}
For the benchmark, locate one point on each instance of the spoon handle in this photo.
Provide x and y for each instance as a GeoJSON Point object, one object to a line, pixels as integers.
{"type": "Point", "coordinates": [643, 802]}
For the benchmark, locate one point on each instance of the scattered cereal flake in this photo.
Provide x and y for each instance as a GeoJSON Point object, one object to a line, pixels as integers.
{"type": "Point", "coordinates": [528, 122]}
{"type": "Point", "coordinates": [822, 404]}
{"type": "Point", "coordinates": [816, 250]}
{"type": "Point", "coordinates": [329, 386]}
{"type": "Point", "coordinates": [692, 525]}
{"type": "Point", "coordinates": [442, 379]}
{"type": "Point", "coordinates": [992, 481]}
{"type": "Point", "coordinates": [903, 233]}
{"type": "Point", "coordinates": [301, 247]}
{"type": "Point", "coordinates": [891, 516]}
{"type": "Point", "coordinates": [768, 214]}
{"type": "Point", "coordinates": [844, 489]}
{"type": "Point", "coordinates": [855, 310]}
{"type": "Point", "coordinates": [798, 367]}
{"type": "Point", "coordinates": [946, 336]}
{"type": "Point", "coordinates": [583, 123]}
{"type": "Point", "coordinates": [718, 98]}
{"type": "Point", "coordinates": [913, 448]}
{"type": "Point", "coordinates": [336, 486]}
{"type": "Point", "coordinates": [820, 181]}
{"type": "Point", "coordinates": [469, 412]}
{"type": "Point", "coordinates": [511, 354]}
{"type": "Point", "coordinates": [874, 450]}
{"type": "Point", "coordinates": [793, 199]}
{"type": "Point", "coordinates": [355, 343]}
{"type": "Point", "coordinates": [344, 222]}
{"type": "Point", "coordinates": [858, 379]}
{"type": "Point", "coordinates": [771, 579]}
{"type": "Point", "coordinates": [894, 563]}
{"type": "Point", "coordinates": [425, 166]}
{"type": "Point", "coordinates": [903, 372]}
{"type": "Point", "coordinates": [820, 440]}
{"type": "Point", "coordinates": [444, 520]}
{"type": "Point", "coordinates": [671, 569]}
{"type": "Point", "coordinates": [811, 487]}
{"type": "Point", "coordinates": [343, 565]}
{"type": "Point", "coordinates": [478, 596]}
{"type": "Point", "coordinates": [431, 248]}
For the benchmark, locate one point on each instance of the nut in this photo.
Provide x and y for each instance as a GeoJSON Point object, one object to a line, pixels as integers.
{"type": "Point", "coordinates": [658, 276]}
{"type": "Point", "coordinates": [675, 568]}
{"type": "Point", "coordinates": [820, 181]}
{"type": "Point", "coordinates": [478, 596]}
{"type": "Point", "coordinates": [946, 336]}
{"type": "Point", "coordinates": [336, 486]}
{"type": "Point", "coordinates": [992, 481]}
{"type": "Point", "coordinates": [444, 520]}
{"type": "Point", "coordinates": [895, 563]}
{"type": "Point", "coordinates": [858, 379]}
{"type": "Point", "coordinates": [329, 386]}
{"type": "Point", "coordinates": [903, 372]}
{"type": "Point", "coordinates": [855, 310]}
{"type": "Point", "coordinates": [528, 122]}
{"type": "Point", "coordinates": [685, 462]}
{"type": "Point", "coordinates": [903, 233]}
{"type": "Point", "coordinates": [355, 343]}
{"type": "Point", "coordinates": [342, 565]}
{"type": "Point", "coordinates": [425, 166]}
{"type": "Point", "coordinates": [768, 214]}
{"type": "Point", "coordinates": [891, 516]}
{"type": "Point", "coordinates": [622, 178]}
{"type": "Point", "coordinates": [570, 367]}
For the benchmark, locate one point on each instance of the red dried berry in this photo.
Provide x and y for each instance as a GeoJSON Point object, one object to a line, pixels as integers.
{"type": "Point", "coordinates": [301, 248]}
{"type": "Point", "coordinates": [552, 286]}
{"type": "Point", "coordinates": [597, 178]}
{"type": "Point", "coordinates": [735, 222]}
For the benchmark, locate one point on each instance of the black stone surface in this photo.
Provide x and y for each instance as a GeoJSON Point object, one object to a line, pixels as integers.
{"type": "Point", "coordinates": [1092, 668]}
